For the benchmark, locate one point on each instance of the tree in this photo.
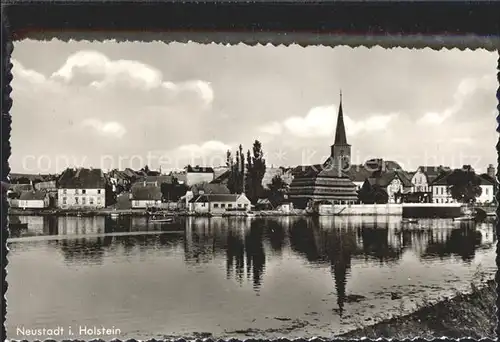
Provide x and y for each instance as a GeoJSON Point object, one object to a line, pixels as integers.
{"type": "Point", "coordinates": [464, 185]}
{"type": "Point", "coordinates": [372, 194]}
{"type": "Point", "coordinates": [277, 190]}
{"type": "Point", "coordinates": [256, 171]}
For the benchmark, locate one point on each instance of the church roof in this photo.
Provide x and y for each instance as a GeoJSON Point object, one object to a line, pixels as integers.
{"type": "Point", "coordinates": [340, 135]}
{"type": "Point", "coordinates": [318, 170]}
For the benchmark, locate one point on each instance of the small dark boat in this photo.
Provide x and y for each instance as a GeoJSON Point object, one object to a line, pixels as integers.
{"type": "Point", "coordinates": [409, 220]}
{"type": "Point", "coordinates": [162, 220]}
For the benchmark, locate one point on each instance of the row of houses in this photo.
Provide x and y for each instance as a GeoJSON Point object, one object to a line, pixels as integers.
{"type": "Point", "coordinates": [200, 190]}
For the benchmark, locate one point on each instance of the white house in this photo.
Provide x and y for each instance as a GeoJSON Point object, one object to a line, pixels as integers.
{"type": "Point", "coordinates": [33, 200]}
{"type": "Point", "coordinates": [81, 189]}
{"type": "Point", "coordinates": [144, 195]}
{"type": "Point", "coordinates": [219, 203]}
{"type": "Point", "coordinates": [487, 189]}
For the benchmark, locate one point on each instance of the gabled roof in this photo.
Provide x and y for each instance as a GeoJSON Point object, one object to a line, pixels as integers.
{"type": "Point", "coordinates": [82, 178]}
{"type": "Point", "coordinates": [210, 188]}
{"type": "Point", "coordinates": [433, 172]}
{"type": "Point", "coordinates": [486, 179]}
{"type": "Point", "coordinates": [385, 178]}
{"type": "Point", "coordinates": [222, 178]}
{"type": "Point", "coordinates": [199, 169]}
{"type": "Point", "coordinates": [318, 170]}
{"type": "Point", "coordinates": [215, 198]}
{"type": "Point", "coordinates": [159, 179]}
{"type": "Point", "coordinates": [146, 193]}
{"type": "Point", "coordinates": [32, 195]}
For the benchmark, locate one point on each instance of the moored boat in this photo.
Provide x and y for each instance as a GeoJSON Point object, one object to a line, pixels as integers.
{"type": "Point", "coordinates": [409, 220]}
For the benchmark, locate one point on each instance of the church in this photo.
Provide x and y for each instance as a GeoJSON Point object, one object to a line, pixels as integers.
{"type": "Point", "coordinates": [327, 182]}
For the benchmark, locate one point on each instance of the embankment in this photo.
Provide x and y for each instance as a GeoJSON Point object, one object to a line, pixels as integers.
{"type": "Point", "coordinates": [465, 315]}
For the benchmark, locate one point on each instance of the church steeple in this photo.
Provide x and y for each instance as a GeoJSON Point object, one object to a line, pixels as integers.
{"type": "Point", "coordinates": [340, 136]}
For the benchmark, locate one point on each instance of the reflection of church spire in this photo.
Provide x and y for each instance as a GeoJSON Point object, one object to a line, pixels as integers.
{"type": "Point", "coordinates": [339, 272]}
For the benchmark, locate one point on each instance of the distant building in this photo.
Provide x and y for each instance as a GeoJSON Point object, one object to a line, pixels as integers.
{"type": "Point", "coordinates": [48, 186]}
{"type": "Point", "coordinates": [33, 200]}
{"type": "Point", "coordinates": [395, 183]}
{"type": "Point", "coordinates": [219, 203]}
{"type": "Point", "coordinates": [144, 195]}
{"type": "Point", "coordinates": [197, 174]}
{"type": "Point", "coordinates": [488, 186]}
{"type": "Point", "coordinates": [440, 190]}
{"type": "Point", "coordinates": [81, 189]}
{"type": "Point", "coordinates": [327, 181]}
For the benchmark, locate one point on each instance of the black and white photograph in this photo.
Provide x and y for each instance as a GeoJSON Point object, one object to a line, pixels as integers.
{"type": "Point", "coordinates": [185, 190]}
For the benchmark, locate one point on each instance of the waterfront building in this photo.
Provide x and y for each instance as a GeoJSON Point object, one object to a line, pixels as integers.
{"type": "Point", "coordinates": [327, 181]}
{"type": "Point", "coordinates": [197, 174]}
{"type": "Point", "coordinates": [218, 203]}
{"type": "Point", "coordinates": [395, 183]}
{"type": "Point", "coordinates": [81, 188]}
{"type": "Point", "coordinates": [32, 200]}
{"type": "Point", "coordinates": [488, 187]}
{"type": "Point", "coordinates": [144, 195]}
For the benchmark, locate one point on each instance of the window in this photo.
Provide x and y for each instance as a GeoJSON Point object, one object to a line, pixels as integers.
{"type": "Point", "coordinates": [84, 191]}
{"type": "Point", "coordinates": [83, 200]}
{"type": "Point", "coordinates": [246, 205]}
{"type": "Point", "coordinates": [76, 200]}
{"type": "Point", "coordinates": [65, 191]}
{"type": "Point", "coordinates": [91, 200]}
{"type": "Point", "coordinates": [230, 205]}
{"type": "Point", "coordinates": [99, 191]}
{"type": "Point", "coordinates": [223, 205]}
{"type": "Point", "coordinates": [76, 191]}
{"type": "Point", "coordinates": [216, 205]}
{"type": "Point", "coordinates": [239, 205]}
{"type": "Point", "coordinates": [64, 200]}
{"type": "Point", "coordinates": [486, 191]}
{"type": "Point", "coordinates": [442, 191]}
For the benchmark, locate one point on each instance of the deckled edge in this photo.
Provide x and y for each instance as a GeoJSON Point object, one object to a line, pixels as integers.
{"type": "Point", "coordinates": [280, 39]}
{"type": "Point", "coordinates": [435, 42]}
{"type": "Point", "coordinates": [7, 47]}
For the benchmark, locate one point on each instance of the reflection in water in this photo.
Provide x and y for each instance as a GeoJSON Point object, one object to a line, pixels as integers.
{"type": "Point", "coordinates": [244, 246]}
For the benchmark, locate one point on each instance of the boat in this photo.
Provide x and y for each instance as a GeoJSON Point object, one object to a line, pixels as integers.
{"type": "Point", "coordinates": [162, 220]}
{"type": "Point", "coordinates": [409, 220]}
{"type": "Point", "coordinates": [464, 218]}
{"type": "Point", "coordinates": [250, 214]}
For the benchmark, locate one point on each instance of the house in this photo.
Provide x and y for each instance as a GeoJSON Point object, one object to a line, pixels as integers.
{"type": "Point", "coordinates": [488, 185]}
{"type": "Point", "coordinates": [422, 181]}
{"type": "Point", "coordinates": [81, 188]}
{"type": "Point", "coordinates": [395, 183]}
{"type": "Point", "coordinates": [441, 193]}
{"type": "Point", "coordinates": [440, 190]}
{"type": "Point", "coordinates": [209, 188]}
{"type": "Point", "coordinates": [33, 200]}
{"type": "Point", "coordinates": [198, 174]}
{"type": "Point", "coordinates": [219, 203]}
{"type": "Point", "coordinates": [145, 196]}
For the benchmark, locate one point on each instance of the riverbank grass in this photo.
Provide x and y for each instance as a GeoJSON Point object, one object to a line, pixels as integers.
{"type": "Point", "coordinates": [465, 315]}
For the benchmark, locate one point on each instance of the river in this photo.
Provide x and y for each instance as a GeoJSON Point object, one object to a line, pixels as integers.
{"type": "Point", "coordinates": [274, 277]}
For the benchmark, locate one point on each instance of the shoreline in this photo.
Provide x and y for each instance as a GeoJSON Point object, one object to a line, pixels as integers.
{"type": "Point", "coordinates": [466, 314]}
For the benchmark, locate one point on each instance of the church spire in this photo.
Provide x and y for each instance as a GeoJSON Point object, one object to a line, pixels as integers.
{"type": "Point", "coordinates": [340, 136]}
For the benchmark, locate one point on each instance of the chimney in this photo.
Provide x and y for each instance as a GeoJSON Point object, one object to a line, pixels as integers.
{"type": "Point", "coordinates": [491, 171]}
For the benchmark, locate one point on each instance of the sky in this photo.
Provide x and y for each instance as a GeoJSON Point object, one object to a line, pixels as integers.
{"type": "Point", "coordinates": [128, 104]}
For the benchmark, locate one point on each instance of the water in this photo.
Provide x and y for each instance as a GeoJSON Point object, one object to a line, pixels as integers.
{"type": "Point", "coordinates": [236, 277]}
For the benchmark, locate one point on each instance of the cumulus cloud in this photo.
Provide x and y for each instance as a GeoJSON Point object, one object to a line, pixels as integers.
{"type": "Point", "coordinates": [109, 129]}
{"type": "Point", "coordinates": [321, 122]}
{"type": "Point", "coordinates": [20, 72]}
{"type": "Point", "coordinates": [464, 91]}
{"type": "Point", "coordinates": [273, 128]}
